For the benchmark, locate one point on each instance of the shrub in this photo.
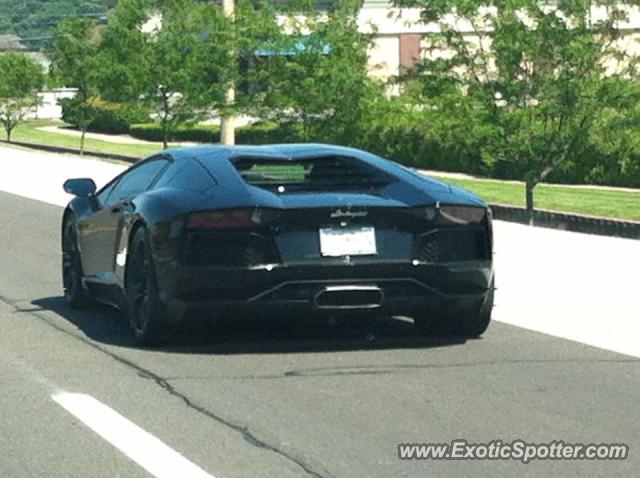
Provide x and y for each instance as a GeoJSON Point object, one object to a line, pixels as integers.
{"type": "Point", "coordinates": [270, 133]}
{"type": "Point", "coordinates": [194, 134]}
{"type": "Point", "coordinates": [418, 137]}
{"type": "Point", "coordinates": [258, 133]}
{"type": "Point", "coordinates": [109, 118]}
{"type": "Point", "coordinates": [117, 118]}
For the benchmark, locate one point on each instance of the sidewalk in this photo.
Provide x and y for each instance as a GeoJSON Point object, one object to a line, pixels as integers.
{"type": "Point", "coordinates": [40, 176]}
{"type": "Point", "coordinates": [109, 138]}
{"type": "Point", "coordinates": [241, 121]}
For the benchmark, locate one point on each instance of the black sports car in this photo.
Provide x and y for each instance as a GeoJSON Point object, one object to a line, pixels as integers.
{"type": "Point", "coordinates": [278, 229]}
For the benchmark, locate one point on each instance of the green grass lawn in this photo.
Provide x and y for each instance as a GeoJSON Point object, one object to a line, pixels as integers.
{"type": "Point", "coordinates": [28, 132]}
{"type": "Point", "coordinates": [594, 202]}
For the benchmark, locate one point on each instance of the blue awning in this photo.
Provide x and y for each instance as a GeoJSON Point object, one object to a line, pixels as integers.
{"type": "Point", "coordinates": [302, 45]}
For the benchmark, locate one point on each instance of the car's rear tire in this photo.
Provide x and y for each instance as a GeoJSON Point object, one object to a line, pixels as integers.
{"type": "Point", "coordinates": [72, 267]}
{"type": "Point", "coordinates": [147, 316]}
{"type": "Point", "coordinates": [468, 324]}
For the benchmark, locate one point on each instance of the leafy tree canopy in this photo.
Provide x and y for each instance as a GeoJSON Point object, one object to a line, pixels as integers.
{"type": "Point", "coordinates": [172, 55]}
{"type": "Point", "coordinates": [534, 77]}
{"type": "Point", "coordinates": [20, 80]}
{"type": "Point", "coordinates": [313, 70]}
{"type": "Point", "coordinates": [75, 63]}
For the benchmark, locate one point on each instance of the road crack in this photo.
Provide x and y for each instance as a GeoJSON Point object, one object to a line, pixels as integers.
{"type": "Point", "coordinates": [246, 433]}
{"type": "Point", "coordinates": [249, 436]}
{"type": "Point", "coordinates": [357, 370]}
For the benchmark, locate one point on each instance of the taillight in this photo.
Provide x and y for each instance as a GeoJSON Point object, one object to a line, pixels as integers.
{"type": "Point", "coordinates": [230, 218]}
{"type": "Point", "coordinates": [220, 219]}
{"type": "Point", "coordinates": [427, 212]}
{"type": "Point", "coordinates": [451, 214]}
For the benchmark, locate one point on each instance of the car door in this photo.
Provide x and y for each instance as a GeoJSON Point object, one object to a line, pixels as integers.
{"type": "Point", "coordinates": [99, 234]}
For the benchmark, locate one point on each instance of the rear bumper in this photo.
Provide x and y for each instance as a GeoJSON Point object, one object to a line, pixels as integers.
{"type": "Point", "coordinates": [390, 288]}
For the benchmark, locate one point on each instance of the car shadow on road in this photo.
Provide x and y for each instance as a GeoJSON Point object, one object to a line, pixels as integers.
{"type": "Point", "coordinates": [273, 335]}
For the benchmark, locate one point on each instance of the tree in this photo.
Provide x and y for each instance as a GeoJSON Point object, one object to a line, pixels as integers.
{"type": "Point", "coordinates": [537, 76]}
{"type": "Point", "coordinates": [75, 63]}
{"type": "Point", "coordinates": [615, 139]}
{"type": "Point", "coordinates": [180, 56]}
{"type": "Point", "coordinates": [315, 71]}
{"type": "Point", "coordinates": [20, 80]}
{"type": "Point", "coordinates": [166, 54]}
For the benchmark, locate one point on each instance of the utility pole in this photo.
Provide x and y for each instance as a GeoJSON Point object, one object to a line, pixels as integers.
{"type": "Point", "coordinates": [227, 121]}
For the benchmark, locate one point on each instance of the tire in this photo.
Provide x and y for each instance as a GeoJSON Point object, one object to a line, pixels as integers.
{"type": "Point", "coordinates": [468, 324]}
{"type": "Point", "coordinates": [72, 267]}
{"type": "Point", "coordinates": [147, 317]}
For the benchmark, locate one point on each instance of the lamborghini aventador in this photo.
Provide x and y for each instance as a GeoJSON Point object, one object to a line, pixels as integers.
{"type": "Point", "coordinates": [282, 229]}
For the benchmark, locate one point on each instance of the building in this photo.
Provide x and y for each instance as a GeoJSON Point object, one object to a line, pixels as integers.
{"type": "Point", "coordinates": [402, 39]}
{"type": "Point", "coordinates": [397, 37]}
{"type": "Point", "coordinates": [48, 103]}
{"type": "Point", "coordinates": [13, 43]}
{"type": "Point", "coordinates": [9, 42]}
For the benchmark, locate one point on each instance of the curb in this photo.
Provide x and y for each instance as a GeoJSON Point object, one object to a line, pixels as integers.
{"type": "Point", "coordinates": [61, 149]}
{"type": "Point", "coordinates": [568, 222]}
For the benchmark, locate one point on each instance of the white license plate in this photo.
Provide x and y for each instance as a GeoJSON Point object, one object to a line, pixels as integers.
{"type": "Point", "coordinates": [359, 241]}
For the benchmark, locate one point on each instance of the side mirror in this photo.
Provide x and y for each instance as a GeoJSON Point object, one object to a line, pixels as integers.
{"type": "Point", "coordinates": [83, 187]}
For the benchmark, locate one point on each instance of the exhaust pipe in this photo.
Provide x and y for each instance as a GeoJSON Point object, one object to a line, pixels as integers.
{"type": "Point", "coordinates": [349, 297]}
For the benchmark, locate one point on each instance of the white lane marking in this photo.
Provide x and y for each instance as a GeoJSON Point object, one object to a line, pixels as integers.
{"type": "Point", "coordinates": [140, 446]}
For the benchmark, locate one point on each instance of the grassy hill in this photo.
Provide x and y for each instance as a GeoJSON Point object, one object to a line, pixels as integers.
{"type": "Point", "coordinates": [35, 20]}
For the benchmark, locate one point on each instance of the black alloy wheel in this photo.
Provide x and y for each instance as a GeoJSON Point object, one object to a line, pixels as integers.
{"type": "Point", "coordinates": [146, 314]}
{"type": "Point", "coordinates": [72, 267]}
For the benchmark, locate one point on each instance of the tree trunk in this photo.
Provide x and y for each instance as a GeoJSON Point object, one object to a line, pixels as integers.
{"type": "Point", "coordinates": [82, 134]}
{"type": "Point", "coordinates": [165, 134]}
{"type": "Point", "coordinates": [306, 128]}
{"type": "Point", "coordinates": [8, 130]}
{"type": "Point", "coordinates": [529, 200]}
{"type": "Point", "coordinates": [227, 121]}
{"type": "Point", "coordinates": [227, 130]}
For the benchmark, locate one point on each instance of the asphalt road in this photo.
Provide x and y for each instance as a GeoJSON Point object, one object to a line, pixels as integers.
{"type": "Point", "coordinates": [279, 399]}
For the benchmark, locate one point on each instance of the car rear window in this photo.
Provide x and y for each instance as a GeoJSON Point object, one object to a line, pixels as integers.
{"type": "Point", "coordinates": [311, 174]}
